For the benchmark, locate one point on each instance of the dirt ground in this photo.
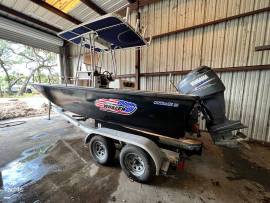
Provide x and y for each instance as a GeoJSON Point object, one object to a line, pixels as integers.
{"type": "Point", "coordinates": [51, 164]}
{"type": "Point", "coordinates": [11, 108]}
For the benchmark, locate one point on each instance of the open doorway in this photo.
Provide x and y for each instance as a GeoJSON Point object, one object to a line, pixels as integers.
{"type": "Point", "coordinates": [21, 65]}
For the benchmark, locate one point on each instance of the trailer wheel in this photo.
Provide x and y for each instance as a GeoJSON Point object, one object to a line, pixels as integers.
{"type": "Point", "coordinates": [102, 149]}
{"type": "Point", "coordinates": [137, 164]}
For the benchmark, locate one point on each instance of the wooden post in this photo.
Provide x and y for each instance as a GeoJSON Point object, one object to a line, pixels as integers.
{"type": "Point", "coordinates": [138, 54]}
{"type": "Point", "coordinates": [1, 92]}
{"type": "Point", "coordinates": [1, 181]}
{"type": "Point", "coordinates": [65, 68]}
{"type": "Point", "coordinates": [50, 109]}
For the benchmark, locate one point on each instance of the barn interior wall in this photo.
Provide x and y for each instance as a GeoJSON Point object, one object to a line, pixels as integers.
{"type": "Point", "coordinates": [227, 44]}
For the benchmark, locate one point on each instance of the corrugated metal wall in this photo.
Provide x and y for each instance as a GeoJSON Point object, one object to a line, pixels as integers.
{"type": "Point", "coordinates": [226, 44]}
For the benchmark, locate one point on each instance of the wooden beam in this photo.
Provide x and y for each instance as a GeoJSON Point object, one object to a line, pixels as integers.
{"type": "Point", "coordinates": [1, 180]}
{"type": "Point", "coordinates": [243, 68]}
{"type": "Point", "coordinates": [66, 73]}
{"type": "Point", "coordinates": [214, 22]}
{"type": "Point", "coordinates": [218, 70]}
{"type": "Point", "coordinates": [260, 142]}
{"type": "Point", "coordinates": [94, 7]}
{"type": "Point", "coordinates": [227, 69]}
{"type": "Point", "coordinates": [56, 11]}
{"type": "Point", "coordinates": [126, 76]}
{"type": "Point", "coordinates": [262, 48]}
{"type": "Point", "coordinates": [131, 1]}
{"type": "Point", "coordinates": [22, 16]}
{"type": "Point", "coordinates": [133, 6]}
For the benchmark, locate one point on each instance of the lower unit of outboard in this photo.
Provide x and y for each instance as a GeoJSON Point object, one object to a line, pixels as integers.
{"type": "Point", "coordinates": [205, 83]}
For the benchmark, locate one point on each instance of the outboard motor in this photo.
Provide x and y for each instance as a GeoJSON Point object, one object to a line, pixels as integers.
{"type": "Point", "coordinates": [205, 83]}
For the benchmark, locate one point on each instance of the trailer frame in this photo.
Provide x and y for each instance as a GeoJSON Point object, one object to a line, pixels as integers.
{"type": "Point", "coordinates": [157, 151]}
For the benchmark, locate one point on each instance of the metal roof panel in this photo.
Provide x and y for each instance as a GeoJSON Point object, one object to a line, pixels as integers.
{"type": "Point", "coordinates": [81, 12]}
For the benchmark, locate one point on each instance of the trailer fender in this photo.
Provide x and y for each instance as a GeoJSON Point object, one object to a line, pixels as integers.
{"type": "Point", "coordinates": [88, 138]}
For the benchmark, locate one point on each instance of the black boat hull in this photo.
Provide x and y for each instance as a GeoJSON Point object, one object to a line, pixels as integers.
{"type": "Point", "coordinates": [164, 114]}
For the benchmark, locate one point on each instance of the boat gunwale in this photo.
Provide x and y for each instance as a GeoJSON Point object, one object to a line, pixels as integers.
{"type": "Point", "coordinates": [124, 91]}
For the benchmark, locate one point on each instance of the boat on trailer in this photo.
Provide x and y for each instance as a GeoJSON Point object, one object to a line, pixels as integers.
{"type": "Point", "coordinates": [138, 123]}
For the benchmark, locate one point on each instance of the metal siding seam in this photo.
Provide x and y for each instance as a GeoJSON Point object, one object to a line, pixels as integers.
{"type": "Point", "coordinates": [245, 103]}
{"type": "Point", "coordinates": [254, 100]}
{"type": "Point", "coordinates": [231, 103]}
{"type": "Point", "coordinates": [261, 109]}
{"type": "Point", "coordinates": [243, 96]}
{"type": "Point", "coordinates": [252, 39]}
{"type": "Point", "coordinates": [151, 67]}
{"type": "Point", "coordinates": [157, 48]}
{"type": "Point", "coordinates": [259, 128]}
{"type": "Point", "coordinates": [240, 90]}
{"type": "Point", "coordinates": [203, 33]}
{"type": "Point", "coordinates": [266, 54]}
{"type": "Point", "coordinates": [174, 58]}
{"type": "Point", "coordinates": [163, 88]}
{"type": "Point", "coordinates": [254, 124]}
{"type": "Point", "coordinates": [151, 47]}
{"type": "Point", "coordinates": [181, 13]}
{"type": "Point", "coordinates": [227, 80]}
{"type": "Point", "coordinates": [179, 51]}
{"type": "Point", "coordinates": [266, 106]}
{"type": "Point", "coordinates": [268, 126]}
{"type": "Point", "coordinates": [142, 83]}
{"type": "Point", "coordinates": [184, 34]}
{"type": "Point", "coordinates": [266, 134]}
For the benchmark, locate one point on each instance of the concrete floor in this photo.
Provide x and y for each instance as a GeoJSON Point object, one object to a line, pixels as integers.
{"type": "Point", "coordinates": [46, 161]}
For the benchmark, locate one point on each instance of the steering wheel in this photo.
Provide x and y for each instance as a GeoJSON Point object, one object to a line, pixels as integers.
{"type": "Point", "coordinates": [107, 73]}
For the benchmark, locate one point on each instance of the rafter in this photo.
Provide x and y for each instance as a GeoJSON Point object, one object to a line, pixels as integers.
{"type": "Point", "coordinates": [94, 7]}
{"type": "Point", "coordinates": [131, 1]}
{"type": "Point", "coordinates": [56, 11]}
{"type": "Point", "coordinates": [262, 48]}
{"type": "Point", "coordinates": [22, 16]}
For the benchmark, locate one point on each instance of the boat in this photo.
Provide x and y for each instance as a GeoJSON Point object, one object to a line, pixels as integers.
{"type": "Point", "coordinates": [172, 115]}
{"type": "Point", "coordinates": [159, 113]}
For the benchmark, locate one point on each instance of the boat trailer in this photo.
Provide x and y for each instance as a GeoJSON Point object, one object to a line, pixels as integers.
{"type": "Point", "coordinates": [156, 155]}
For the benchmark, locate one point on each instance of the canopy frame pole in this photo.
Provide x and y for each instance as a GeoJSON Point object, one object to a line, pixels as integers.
{"type": "Point", "coordinates": [91, 57]}
{"type": "Point", "coordinates": [114, 61]}
{"type": "Point", "coordinates": [78, 64]}
{"type": "Point", "coordinates": [102, 59]}
{"type": "Point", "coordinates": [92, 50]}
{"type": "Point", "coordinates": [94, 54]}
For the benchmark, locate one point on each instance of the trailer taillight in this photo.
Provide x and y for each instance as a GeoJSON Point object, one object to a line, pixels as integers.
{"type": "Point", "coordinates": [181, 165]}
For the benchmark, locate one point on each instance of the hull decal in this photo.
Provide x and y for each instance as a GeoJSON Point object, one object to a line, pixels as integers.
{"type": "Point", "coordinates": [116, 106]}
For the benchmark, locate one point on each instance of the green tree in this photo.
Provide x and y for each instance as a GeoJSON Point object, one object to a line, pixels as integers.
{"type": "Point", "coordinates": [6, 61]}
{"type": "Point", "coordinates": [35, 60]}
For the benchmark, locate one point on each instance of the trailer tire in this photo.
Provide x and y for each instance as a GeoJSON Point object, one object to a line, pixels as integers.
{"type": "Point", "coordinates": [137, 164]}
{"type": "Point", "coordinates": [102, 149]}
